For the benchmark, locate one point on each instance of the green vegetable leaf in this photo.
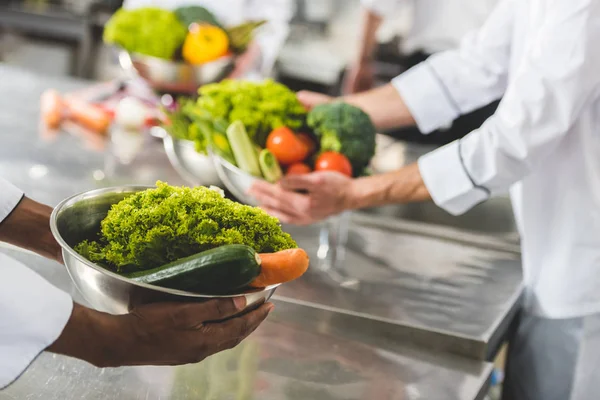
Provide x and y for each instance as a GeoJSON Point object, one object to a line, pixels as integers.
{"type": "Point", "coordinates": [148, 30]}
{"type": "Point", "coordinates": [158, 226]}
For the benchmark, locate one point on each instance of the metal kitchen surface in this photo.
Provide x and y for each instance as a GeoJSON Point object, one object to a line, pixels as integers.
{"type": "Point", "coordinates": [285, 359]}
{"type": "Point", "coordinates": [444, 294]}
{"type": "Point", "coordinates": [296, 354]}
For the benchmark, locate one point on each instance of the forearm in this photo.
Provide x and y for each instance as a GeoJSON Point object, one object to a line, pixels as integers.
{"type": "Point", "coordinates": [384, 105]}
{"type": "Point", "coordinates": [368, 38]}
{"type": "Point", "coordinates": [402, 186]}
{"type": "Point", "coordinates": [28, 226]}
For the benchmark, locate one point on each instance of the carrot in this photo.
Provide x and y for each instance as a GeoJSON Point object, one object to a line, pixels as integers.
{"type": "Point", "coordinates": [51, 105]}
{"type": "Point", "coordinates": [280, 267]}
{"type": "Point", "coordinates": [89, 115]}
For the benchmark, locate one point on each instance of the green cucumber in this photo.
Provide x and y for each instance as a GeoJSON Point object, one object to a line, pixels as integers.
{"type": "Point", "coordinates": [219, 270]}
{"type": "Point", "coordinates": [269, 166]}
{"type": "Point", "coordinates": [243, 149]}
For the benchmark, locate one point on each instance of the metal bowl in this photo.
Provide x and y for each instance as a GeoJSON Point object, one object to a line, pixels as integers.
{"type": "Point", "coordinates": [78, 218]}
{"type": "Point", "coordinates": [195, 168]}
{"type": "Point", "coordinates": [235, 180]}
{"type": "Point", "coordinates": [173, 76]}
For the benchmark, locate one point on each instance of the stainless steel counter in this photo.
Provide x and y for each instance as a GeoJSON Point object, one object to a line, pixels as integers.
{"type": "Point", "coordinates": [294, 355]}
{"type": "Point", "coordinates": [324, 341]}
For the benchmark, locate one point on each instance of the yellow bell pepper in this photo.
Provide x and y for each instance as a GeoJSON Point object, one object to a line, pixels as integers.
{"type": "Point", "coordinates": [205, 43]}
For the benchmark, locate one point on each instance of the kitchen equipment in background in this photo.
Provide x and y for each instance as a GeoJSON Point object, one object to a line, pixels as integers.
{"type": "Point", "coordinates": [78, 218]}
{"type": "Point", "coordinates": [174, 76]}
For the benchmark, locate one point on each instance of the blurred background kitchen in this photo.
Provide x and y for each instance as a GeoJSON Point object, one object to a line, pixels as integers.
{"type": "Point", "coordinates": [60, 41]}
{"type": "Point", "coordinates": [67, 35]}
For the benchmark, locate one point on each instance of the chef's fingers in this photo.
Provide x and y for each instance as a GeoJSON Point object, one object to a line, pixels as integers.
{"type": "Point", "coordinates": [230, 333]}
{"type": "Point", "coordinates": [275, 197]}
{"type": "Point", "coordinates": [311, 182]}
{"type": "Point", "coordinates": [194, 315]}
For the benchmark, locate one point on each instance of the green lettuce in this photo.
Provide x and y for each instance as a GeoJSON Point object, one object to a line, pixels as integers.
{"type": "Point", "coordinates": [158, 226]}
{"type": "Point", "coordinates": [148, 30]}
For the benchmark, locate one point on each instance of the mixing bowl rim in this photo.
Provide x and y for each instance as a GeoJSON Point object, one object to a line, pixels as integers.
{"type": "Point", "coordinates": [90, 194]}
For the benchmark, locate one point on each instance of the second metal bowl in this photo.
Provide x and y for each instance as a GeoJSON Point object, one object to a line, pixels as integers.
{"type": "Point", "coordinates": [174, 76]}
{"type": "Point", "coordinates": [78, 218]}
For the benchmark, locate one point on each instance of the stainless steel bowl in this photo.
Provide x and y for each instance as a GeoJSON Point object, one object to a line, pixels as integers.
{"type": "Point", "coordinates": [195, 168]}
{"type": "Point", "coordinates": [173, 76]}
{"type": "Point", "coordinates": [234, 179]}
{"type": "Point", "coordinates": [78, 218]}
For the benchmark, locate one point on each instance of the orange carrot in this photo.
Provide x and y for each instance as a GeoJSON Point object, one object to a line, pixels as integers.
{"type": "Point", "coordinates": [89, 115]}
{"type": "Point", "coordinates": [51, 108]}
{"type": "Point", "coordinates": [280, 267]}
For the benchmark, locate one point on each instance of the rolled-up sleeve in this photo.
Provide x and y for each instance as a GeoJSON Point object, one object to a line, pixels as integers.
{"type": "Point", "coordinates": [555, 80]}
{"type": "Point", "coordinates": [33, 312]}
{"type": "Point", "coordinates": [455, 82]}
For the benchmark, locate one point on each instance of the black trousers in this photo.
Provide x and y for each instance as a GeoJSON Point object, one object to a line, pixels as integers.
{"type": "Point", "coordinates": [460, 127]}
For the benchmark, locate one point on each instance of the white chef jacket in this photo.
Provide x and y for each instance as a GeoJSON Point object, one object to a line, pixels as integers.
{"type": "Point", "coordinates": [437, 25]}
{"type": "Point", "coordinates": [270, 37]}
{"type": "Point", "coordinates": [543, 142]}
{"type": "Point", "coordinates": [33, 312]}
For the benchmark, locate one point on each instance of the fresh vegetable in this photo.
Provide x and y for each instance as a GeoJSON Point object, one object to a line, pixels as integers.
{"type": "Point", "coordinates": [260, 106]}
{"type": "Point", "coordinates": [88, 115]}
{"type": "Point", "coordinates": [308, 142]}
{"type": "Point", "coordinates": [157, 226]}
{"type": "Point", "coordinates": [298, 169]}
{"type": "Point", "coordinates": [219, 143]}
{"type": "Point", "coordinates": [269, 166]}
{"type": "Point", "coordinates": [183, 123]}
{"type": "Point", "coordinates": [204, 43]}
{"type": "Point", "coordinates": [196, 14]}
{"type": "Point", "coordinates": [332, 161]}
{"type": "Point", "coordinates": [345, 129]}
{"type": "Point", "coordinates": [51, 107]}
{"type": "Point", "coordinates": [280, 267]}
{"type": "Point", "coordinates": [219, 270]}
{"type": "Point", "coordinates": [243, 149]}
{"type": "Point", "coordinates": [148, 30]}
{"type": "Point", "coordinates": [241, 35]}
{"type": "Point", "coordinates": [286, 146]}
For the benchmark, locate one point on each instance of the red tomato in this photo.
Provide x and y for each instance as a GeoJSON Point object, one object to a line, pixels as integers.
{"type": "Point", "coordinates": [308, 142]}
{"type": "Point", "coordinates": [298, 169]}
{"type": "Point", "coordinates": [286, 147]}
{"type": "Point", "coordinates": [333, 161]}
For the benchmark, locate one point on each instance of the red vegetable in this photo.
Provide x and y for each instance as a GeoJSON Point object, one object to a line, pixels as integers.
{"type": "Point", "coordinates": [298, 169]}
{"type": "Point", "coordinates": [308, 141]}
{"type": "Point", "coordinates": [333, 161]}
{"type": "Point", "coordinates": [286, 146]}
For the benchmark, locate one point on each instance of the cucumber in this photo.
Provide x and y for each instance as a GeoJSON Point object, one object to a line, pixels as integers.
{"type": "Point", "coordinates": [219, 270]}
{"type": "Point", "coordinates": [269, 166]}
{"type": "Point", "coordinates": [243, 149]}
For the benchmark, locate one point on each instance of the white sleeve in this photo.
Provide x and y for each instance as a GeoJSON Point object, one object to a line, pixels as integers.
{"type": "Point", "coordinates": [455, 82]}
{"type": "Point", "coordinates": [556, 79]}
{"type": "Point", "coordinates": [33, 312]}
{"type": "Point", "coordinates": [271, 36]}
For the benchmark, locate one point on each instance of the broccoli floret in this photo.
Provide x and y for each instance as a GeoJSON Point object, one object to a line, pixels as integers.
{"type": "Point", "coordinates": [346, 129]}
{"type": "Point", "coordinates": [158, 226]}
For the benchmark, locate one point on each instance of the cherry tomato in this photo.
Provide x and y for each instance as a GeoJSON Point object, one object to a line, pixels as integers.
{"type": "Point", "coordinates": [286, 146]}
{"type": "Point", "coordinates": [308, 142]}
{"type": "Point", "coordinates": [333, 161]}
{"type": "Point", "coordinates": [298, 169]}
